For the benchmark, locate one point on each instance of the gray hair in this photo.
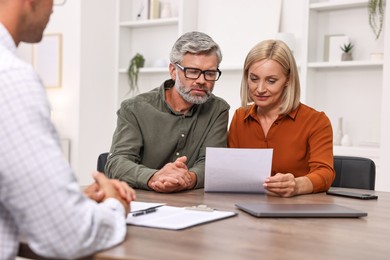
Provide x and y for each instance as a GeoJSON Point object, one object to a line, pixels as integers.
{"type": "Point", "coordinates": [194, 43]}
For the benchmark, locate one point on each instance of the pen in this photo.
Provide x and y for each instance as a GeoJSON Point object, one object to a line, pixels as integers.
{"type": "Point", "coordinates": [143, 212]}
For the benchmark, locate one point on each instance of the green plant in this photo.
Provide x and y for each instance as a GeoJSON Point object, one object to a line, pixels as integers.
{"type": "Point", "coordinates": [347, 47]}
{"type": "Point", "coordinates": [136, 63]}
{"type": "Point", "coordinates": [376, 13]}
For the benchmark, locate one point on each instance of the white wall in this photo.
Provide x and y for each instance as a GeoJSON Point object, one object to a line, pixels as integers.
{"type": "Point", "coordinates": [383, 179]}
{"type": "Point", "coordinates": [238, 25]}
{"type": "Point", "coordinates": [97, 83]}
{"type": "Point", "coordinates": [65, 101]}
{"type": "Point", "coordinates": [84, 108]}
{"type": "Point", "coordinates": [237, 29]}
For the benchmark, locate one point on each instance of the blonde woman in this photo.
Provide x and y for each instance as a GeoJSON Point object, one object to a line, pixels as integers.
{"type": "Point", "coordinates": [271, 116]}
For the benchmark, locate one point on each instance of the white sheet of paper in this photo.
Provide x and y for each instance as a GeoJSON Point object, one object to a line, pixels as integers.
{"type": "Point", "coordinates": [176, 218]}
{"type": "Point", "coordinates": [237, 169]}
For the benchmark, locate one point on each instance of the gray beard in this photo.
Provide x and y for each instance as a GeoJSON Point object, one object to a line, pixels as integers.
{"type": "Point", "coordinates": [186, 95]}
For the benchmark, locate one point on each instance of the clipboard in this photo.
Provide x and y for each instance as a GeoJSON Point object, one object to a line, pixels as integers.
{"type": "Point", "coordinates": [175, 218]}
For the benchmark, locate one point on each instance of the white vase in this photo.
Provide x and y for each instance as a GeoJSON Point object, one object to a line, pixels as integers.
{"type": "Point", "coordinates": [346, 56]}
{"type": "Point", "coordinates": [376, 56]}
{"type": "Point", "coordinates": [165, 10]}
{"type": "Point", "coordinates": [339, 133]}
{"type": "Point", "coordinates": [346, 141]}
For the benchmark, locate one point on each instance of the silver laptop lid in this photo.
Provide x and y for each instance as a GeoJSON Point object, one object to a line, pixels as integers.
{"type": "Point", "coordinates": [299, 210]}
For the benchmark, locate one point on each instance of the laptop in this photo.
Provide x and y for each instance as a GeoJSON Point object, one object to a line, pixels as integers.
{"type": "Point", "coordinates": [238, 170]}
{"type": "Point", "coordinates": [261, 210]}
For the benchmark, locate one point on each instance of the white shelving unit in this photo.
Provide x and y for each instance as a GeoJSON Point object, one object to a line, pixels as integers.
{"type": "Point", "coordinates": [348, 89]}
{"type": "Point", "coordinates": [345, 64]}
{"type": "Point", "coordinates": [150, 23]}
{"type": "Point", "coordinates": [152, 38]}
{"type": "Point", "coordinates": [353, 89]}
{"type": "Point", "coordinates": [234, 25]}
{"type": "Point", "coordinates": [336, 5]}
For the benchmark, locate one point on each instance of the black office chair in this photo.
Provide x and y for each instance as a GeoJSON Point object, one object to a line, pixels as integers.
{"type": "Point", "coordinates": [354, 172]}
{"type": "Point", "coordinates": [101, 162]}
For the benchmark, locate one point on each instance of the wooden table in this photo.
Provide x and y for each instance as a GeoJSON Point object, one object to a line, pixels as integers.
{"type": "Point", "coordinates": [247, 237]}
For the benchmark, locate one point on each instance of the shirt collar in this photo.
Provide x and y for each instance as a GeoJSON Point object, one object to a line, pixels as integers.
{"type": "Point", "coordinates": [6, 39]}
{"type": "Point", "coordinates": [252, 112]}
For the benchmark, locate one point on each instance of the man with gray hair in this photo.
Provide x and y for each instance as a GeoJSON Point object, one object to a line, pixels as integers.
{"type": "Point", "coordinates": [161, 136]}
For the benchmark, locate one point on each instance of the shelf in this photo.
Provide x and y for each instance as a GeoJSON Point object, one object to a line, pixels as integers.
{"type": "Point", "coordinates": [363, 151]}
{"type": "Point", "coordinates": [333, 5]}
{"type": "Point", "coordinates": [148, 70]}
{"type": "Point", "coordinates": [154, 70]}
{"type": "Point", "coordinates": [165, 69]}
{"type": "Point", "coordinates": [344, 64]}
{"type": "Point", "coordinates": [231, 68]}
{"type": "Point", "coordinates": [149, 23]}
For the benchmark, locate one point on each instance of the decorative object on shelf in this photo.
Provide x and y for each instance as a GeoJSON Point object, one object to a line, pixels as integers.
{"type": "Point", "coordinates": [376, 56]}
{"type": "Point", "coordinates": [346, 140]}
{"type": "Point", "coordinates": [376, 13]}
{"type": "Point", "coordinates": [339, 132]}
{"type": "Point", "coordinates": [165, 11]}
{"type": "Point", "coordinates": [347, 51]}
{"type": "Point", "coordinates": [137, 62]}
{"type": "Point", "coordinates": [327, 44]}
{"type": "Point", "coordinates": [143, 10]}
{"type": "Point", "coordinates": [154, 12]}
{"type": "Point", "coordinates": [335, 41]}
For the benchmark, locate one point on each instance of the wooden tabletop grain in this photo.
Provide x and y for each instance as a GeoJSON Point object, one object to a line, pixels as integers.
{"type": "Point", "coordinates": [246, 237]}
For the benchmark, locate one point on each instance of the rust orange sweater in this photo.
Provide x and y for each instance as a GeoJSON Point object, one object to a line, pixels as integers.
{"type": "Point", "coordinates": [302, 142]}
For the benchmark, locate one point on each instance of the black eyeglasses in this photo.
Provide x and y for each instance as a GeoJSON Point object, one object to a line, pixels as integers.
{"type": "Point", "coordinates": [193, 73]}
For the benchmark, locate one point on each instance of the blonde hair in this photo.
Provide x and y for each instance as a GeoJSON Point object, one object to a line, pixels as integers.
{"type": "Point", "coordinates": [278, 51]}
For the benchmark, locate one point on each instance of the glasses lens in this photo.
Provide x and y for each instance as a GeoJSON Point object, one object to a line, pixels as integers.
{"type": "Point", "coordinates": [211, 74]}
{"type": "Point", "coordinates": [192, 73]}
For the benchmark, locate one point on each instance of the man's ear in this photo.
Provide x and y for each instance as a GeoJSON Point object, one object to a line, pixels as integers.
{"type": "Point", "coordinates": [172, 71]}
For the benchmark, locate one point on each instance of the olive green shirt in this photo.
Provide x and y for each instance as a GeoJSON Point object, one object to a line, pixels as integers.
{"type": "Point", "coordinates": [150, 134]}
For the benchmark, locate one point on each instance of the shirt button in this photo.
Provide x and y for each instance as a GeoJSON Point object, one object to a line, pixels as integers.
{"type": "Point", "coordinates": [177, 154]}
{"type": "Point", "coordinates": [182, 135]}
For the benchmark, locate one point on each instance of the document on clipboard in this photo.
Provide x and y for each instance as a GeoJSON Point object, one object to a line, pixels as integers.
{"type": "Point", "coordinates": [174, 218]}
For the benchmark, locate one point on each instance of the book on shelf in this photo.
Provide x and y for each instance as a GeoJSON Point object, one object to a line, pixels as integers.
{"type": "Point", "coordinates": [154, 11]}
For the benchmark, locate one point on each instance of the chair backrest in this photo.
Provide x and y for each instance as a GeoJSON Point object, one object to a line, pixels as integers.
{"type": "Point", "coordinates": [101, 162]}
{"type": "Point", "coordinates": [354, 172]}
